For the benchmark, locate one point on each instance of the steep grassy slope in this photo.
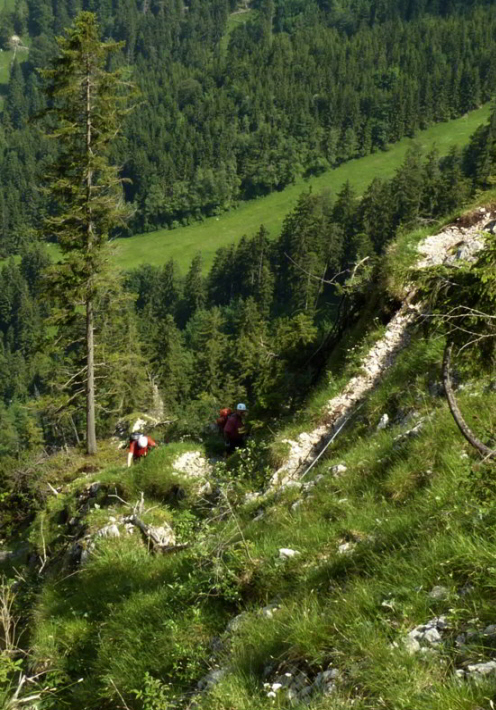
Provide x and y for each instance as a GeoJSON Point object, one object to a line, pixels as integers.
{"type": "Point", "coordinates": [298, 597]}
{"type": "Point", "coordinates": [408, 514]}
{"type": "Point", "coordinates": [183, 243]}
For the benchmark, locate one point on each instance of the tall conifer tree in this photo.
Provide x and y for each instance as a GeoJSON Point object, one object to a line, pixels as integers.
{"type": "Point", "coordinates": [87, 103]}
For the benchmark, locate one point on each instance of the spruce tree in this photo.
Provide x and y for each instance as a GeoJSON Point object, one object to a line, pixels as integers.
{"type": "Point", "coordinates": [194, 288]}
{"type": "Point", "coordinates": [16, 103]}
{"type": "Point", "coordinates": [407, 188]}
{"type": "Point", "coordinates": [168, 291]}
{"type": "Point", "coordinates": [87, 105]}
{"type": "Point", "coordinates": [376, 213]}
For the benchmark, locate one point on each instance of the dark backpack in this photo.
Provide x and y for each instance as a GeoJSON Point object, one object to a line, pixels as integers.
{"type": "Point", "coordinates": [134, 436]}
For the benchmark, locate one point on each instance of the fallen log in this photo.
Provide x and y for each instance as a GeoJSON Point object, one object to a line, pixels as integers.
{"type": "Point", "coordinates": [152, 537]}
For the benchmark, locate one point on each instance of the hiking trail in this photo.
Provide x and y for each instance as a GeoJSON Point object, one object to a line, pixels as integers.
{"type": "Point", "coordinates": [460, 240]}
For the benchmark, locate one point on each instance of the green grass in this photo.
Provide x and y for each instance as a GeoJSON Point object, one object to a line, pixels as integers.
{"type": "Point", "coordinates": [418, 513]}
{"type": "Point", "coordinates": [410, 532]}
{"type": "Point", "coordinates": [5, 61]}
{"type": "Point", "coordinates": [6, 57]}
{"type": "Point", "coordinates": [183, 243]}
{"type": "Point", "coordinates": [234, 20]}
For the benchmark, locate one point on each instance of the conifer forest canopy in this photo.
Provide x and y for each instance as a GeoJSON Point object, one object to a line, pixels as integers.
{"type": "Point", "coordinates": [233, 112]}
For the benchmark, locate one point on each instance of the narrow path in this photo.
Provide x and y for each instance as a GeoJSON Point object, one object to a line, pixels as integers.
{"type": "Point", "coordinates": [460, 240]}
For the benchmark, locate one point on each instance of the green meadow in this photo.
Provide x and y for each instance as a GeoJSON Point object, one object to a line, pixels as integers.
{"type": "Point", "coordinates": [6, 57]}
{"type": "Point", "coordinates": [7, 5]}
{"type": "Point", "coordinates": [183, 243]}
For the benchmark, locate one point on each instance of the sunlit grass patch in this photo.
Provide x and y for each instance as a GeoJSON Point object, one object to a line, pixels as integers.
{"type": "Point", "coordinates": [183, 243]}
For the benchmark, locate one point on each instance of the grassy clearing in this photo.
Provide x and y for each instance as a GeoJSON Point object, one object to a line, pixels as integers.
{"type": "Point", "coordinates": [6, 58]}
{"type": "Point", "coordinates": [235, 19]}
{"type": "Point", "coordinates": [183, 243]}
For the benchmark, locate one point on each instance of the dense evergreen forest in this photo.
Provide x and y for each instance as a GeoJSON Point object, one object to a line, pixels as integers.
{"type": "Point", "coordinates": [229, 115]}
{"type": "Point", "coordinates": [301, 87]}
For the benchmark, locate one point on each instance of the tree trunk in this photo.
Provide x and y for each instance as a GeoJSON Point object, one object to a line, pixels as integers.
{"type": "Point", "coordinates": [455, 410]}
{"type": "Point", "coordinates": [90, 343]}
{"type": "Point", "coordinates": [90, 381]}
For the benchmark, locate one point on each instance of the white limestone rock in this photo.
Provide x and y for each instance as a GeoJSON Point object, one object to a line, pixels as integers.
{"type": "Point", "coordinates": [268, 611]}
{"type": "Point", "coordinates": [346, 548]}
{"type": "Point", "coordinates": [383, 422]}
{"type": "Point", "coordinates": [235, 624]}
{"type": "Point", "coordinates": [139, 425]}
{"type": "Point", "coordinates": [164, 534]}
{"type": "Point", "coordinates": [109, 531]}
{"type": "Point", "coordinates": [439, 593]}
{"type": "Point", "coordinates": [193, 464]}
{"type": "Point", "coordinates": [477, 671]}
{"type": "Point", "coordinates": [411, 645]}
{"type": "Point", "coordinates": [211, 679]}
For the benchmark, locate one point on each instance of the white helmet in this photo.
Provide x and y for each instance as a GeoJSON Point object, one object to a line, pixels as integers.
{"type": "Point", "coordinates": [241, 407]}
{"type": "Point", "coordinates": [143, 441]}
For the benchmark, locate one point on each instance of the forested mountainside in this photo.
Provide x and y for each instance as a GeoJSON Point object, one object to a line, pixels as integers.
{"type": "Point", "coordinates": [262, 323]}
{"type": "Point", "coordinates": [359, 575]}
{"type": "Point", "coordinates": [229, 113]}
{"type": "Point", "coordinates": [259, 327]}
{"type": "Point", "coordinates": [339, 553]}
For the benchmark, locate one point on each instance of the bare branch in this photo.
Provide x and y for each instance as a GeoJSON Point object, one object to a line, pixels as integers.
{"type": "Point", "coordinates": [150, 535]}
{"type": "Point", "coordinates": [54, 490]}
{"type": "Point", "coordinates": [330, 282]}
{"type": "Point", "coordinates": [455, 410]}
{"type": "Point", "coordinates": [126, 707]}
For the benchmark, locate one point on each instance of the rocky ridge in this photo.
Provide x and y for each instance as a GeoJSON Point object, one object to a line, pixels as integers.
{"type": "Point", "coordinates": [460, 240]}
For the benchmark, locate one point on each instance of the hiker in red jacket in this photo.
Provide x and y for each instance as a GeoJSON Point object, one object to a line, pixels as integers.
{"type": "Point", "coordinates": [139, 447]}
{"type": "Point", "coordinates": [234, 429]}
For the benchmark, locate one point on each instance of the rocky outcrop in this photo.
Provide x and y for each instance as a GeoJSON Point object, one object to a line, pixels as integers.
{"type": "Point", "coordinates": [426, 636]}
{"type": "Point", "coordinates": [461, 240]}
{"type": "Point", "coordinates": [295, 687]}
{"type": "Point", "coordinates": [194, 465]}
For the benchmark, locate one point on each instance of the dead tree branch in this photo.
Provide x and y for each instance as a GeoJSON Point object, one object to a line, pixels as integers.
{"type": "Point", "coordinates": [330, 282]}
{"type": "Point", "coordinates": [150, 535]}
{"type": "Point", "coordinates": [455, 410]}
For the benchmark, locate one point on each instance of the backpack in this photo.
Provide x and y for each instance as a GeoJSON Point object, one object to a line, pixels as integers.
{"type": "Point", "coordinates": [224, 415]}
{"type": "Point", "coordinates": [134, 436]}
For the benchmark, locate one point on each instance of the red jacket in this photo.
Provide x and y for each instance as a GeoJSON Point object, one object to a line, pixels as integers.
{"type": "Point", "coordinates": [137, 452]}
{"type": "Point", "coordinates": [233, 426]}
